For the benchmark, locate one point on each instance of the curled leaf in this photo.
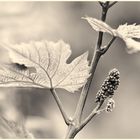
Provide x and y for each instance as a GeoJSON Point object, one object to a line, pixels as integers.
{"type": "Point", "coordinates": [43, 65]}
{"type": "Point", "coordinates": [127, 32]}
{"type": "Point", "coordinates": [132, 45]}
{"type": "Point", "coordinates": [99, 25]}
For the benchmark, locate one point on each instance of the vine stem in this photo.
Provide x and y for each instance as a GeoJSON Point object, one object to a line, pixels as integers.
{"type": "Point", "coordinates": [91, 115]}
{"type": "Point", "coordinates": [112, 4]}
{"type": "Point", "coordinates": [94, 62]}
{"type": "Point", "coordinates": [76, 126]}
{"type": "Point", "coordinates": [73, 129]}
{"type": "Point", "coordinates": [104, 50]}
{"type": "Point", "coordinates": [59, 103]}
{"type": "Point", "coordinates": [85, 90]}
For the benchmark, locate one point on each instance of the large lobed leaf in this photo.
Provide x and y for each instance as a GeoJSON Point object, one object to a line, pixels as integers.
{"type": "Point", "coordinates": [43, 65]}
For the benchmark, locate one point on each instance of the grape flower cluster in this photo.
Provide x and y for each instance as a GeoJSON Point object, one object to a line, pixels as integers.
{"type": "Point", "coordinates": [109, 86]}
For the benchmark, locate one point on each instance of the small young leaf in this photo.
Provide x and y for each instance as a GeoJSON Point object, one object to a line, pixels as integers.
{"type": "Point", "coordinates": [99, 25]}
{"type": "Point", "coordinates": [128, 31]}
{"type": "Point", "coordinates": [125, 32]}
{"type": "Point", "coordinates": [49, 67]}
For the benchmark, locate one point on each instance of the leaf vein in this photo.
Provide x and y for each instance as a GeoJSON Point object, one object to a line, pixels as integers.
{"type": "Point", "coordinates": [69, 72]}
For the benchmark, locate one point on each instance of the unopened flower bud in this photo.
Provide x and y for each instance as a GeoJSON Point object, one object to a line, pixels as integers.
{"type": "Point", "coordinates": [110, 105]}
{"type": "Point", "coordinates": [109, 86]}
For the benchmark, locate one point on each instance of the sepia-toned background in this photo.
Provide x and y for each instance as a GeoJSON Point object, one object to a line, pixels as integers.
{"type": "Point", "coordinates": [26, 21]}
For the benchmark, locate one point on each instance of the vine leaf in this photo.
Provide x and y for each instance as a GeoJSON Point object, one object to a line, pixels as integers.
{"type": "Point", "coordinates": [128, 31]}
{"type": "Point", "coordinates": [132, 45]}
{"type": "Point", "coordinates": [125, 32]}
{"type": "Point", "coordinates": [99, 25]}
{"type": "Point", "coordinates": [43, 65]}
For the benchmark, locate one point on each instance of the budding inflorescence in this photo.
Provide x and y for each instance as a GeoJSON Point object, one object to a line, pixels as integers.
{"type": "Point", "coordinates": [110, 105]}
{"type": "Point", "coordinates": [109, 86]}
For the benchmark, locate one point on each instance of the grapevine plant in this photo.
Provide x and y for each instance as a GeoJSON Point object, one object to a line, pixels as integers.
{"type": "Point", "coordinates": [43, 64]}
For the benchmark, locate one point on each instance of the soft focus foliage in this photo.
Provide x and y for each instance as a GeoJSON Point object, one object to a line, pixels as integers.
{"type": "Point", "coordinates": [10, 129]}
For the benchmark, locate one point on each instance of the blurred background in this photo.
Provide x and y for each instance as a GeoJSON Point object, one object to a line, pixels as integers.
{"type": "Point", "coordinates": [26, 21]}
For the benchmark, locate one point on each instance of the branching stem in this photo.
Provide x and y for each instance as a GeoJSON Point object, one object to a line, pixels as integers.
{"type": "Point", "coordinates": [76, 124]}
{"type": "Point", "coordinates": [73, 129]}
{"type": "Point", "coordinates": [84, 93]}
{"type": "Point", "coordinates": [94, 62]}
{"type": "Point", "coordinates": [104, 50]}
{"type": "Point", "coordinates": [101, 3]}
{"type": "Point", "coordinates": [112, 4]}
{"type": "Point", "coordinates": [93, 113]}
